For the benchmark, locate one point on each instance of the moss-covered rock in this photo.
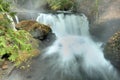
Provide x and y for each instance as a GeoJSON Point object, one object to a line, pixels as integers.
{"type": "Point", "coordinates": [39, 31]}
{"type": "Point", "coordinates": [112, 50]}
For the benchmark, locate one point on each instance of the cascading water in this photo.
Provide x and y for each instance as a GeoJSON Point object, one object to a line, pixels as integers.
{"type": "Point", "coordinates": [66, 24]}
{"type": "Point", "coordinates": [73, 56]}
{"type": "Point", "coordinates": [16, 18]}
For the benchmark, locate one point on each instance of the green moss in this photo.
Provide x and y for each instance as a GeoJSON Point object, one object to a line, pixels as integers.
{"type": "Point", "coordinates": [112, 49]}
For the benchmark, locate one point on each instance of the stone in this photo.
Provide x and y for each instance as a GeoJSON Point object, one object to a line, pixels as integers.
{"type": "Point", "coordinates": [5, 66]}
{"type": "Point", "coordinates": [37, 30]}
{"type": "Point", "coordinates": [42, 33]}
{"type": "Point", "coordinates": [112, 50]}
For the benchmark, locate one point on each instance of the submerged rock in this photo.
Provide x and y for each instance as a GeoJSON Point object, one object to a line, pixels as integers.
{"type": "Point", "coordinates": [112, 50]}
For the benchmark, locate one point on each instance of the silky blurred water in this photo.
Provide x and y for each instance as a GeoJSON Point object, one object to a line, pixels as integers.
{"type": "Point", "coordinates": [73, 56]}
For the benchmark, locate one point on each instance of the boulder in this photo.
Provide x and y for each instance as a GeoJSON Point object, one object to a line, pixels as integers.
{"type": "Point", "coordinates": [39, 31]}
{"type": "Point", "coordinates": [112, 50]}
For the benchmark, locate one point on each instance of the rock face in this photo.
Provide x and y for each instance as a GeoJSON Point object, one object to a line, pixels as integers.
{"type": "Point", "coordinates": [104, 21]}
{"type": "Point", "coordinates": [112, 50]}
{"type": "Point", "coordinates": [39, 31]}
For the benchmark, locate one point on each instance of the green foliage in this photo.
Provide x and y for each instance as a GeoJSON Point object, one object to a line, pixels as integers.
{"type": "Point", "coordinates": [61, 4]}
{"type": "Point", "coordinates": [16, 44]}
{"type": "Point", "coordinates": [4, 11]}
{"type": "Point", "coordinates": [5, 7]}
{"type": "Point", "coordinates": [4, 21]}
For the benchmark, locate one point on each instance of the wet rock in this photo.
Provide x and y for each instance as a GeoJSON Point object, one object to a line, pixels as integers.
{"type": "Point", "coordinates": [6, 70]}
{"type": "Point", "coordinates": [112, 50]}
{"type": "Point", "coordinates": [39, 31]}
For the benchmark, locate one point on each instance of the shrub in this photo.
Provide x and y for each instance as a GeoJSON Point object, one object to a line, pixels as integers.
{"type": "Point", "coordinates": [15, 44]}
{"type": "Point", "coordinates": [61, 4]}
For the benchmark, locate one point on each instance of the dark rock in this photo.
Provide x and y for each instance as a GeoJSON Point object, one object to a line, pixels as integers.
{"type": "Point", "coordinates": [50, 38]}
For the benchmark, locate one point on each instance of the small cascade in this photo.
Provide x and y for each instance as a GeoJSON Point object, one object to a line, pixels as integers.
{"type": "Point", "coordinates": [78, 57]}
{"type": "Point", "coordinates": [16, 18]}
{"type": "Point", "coordinates": [66, 24]}
{"type": "Point", "coordinates": [73, 56]}
{"type": "Point", "coordinates": [12, 25]}
{"type": "Point", "coordinates": [75, 48]}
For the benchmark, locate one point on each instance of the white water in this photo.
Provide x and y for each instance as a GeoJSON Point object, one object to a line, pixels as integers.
{"type": "Point", "coordinates": [66, 24]}
{"type": "Point", "coordinates": [73, 56]}
{"type": "Point", "coordinates": [76, 52]}
{"type": "Point", "coordinates": [16, 18]}
{"type": "Point", "coordinates": [74, 40]}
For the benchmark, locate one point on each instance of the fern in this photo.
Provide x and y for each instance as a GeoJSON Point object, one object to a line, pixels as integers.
{"type": "Point", "coordinates": [14, 43]}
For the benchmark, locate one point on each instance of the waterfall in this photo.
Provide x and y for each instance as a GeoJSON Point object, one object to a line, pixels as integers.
{"type": "Point", "coordinates": [66, 24]}
{"type": "Point", "coordinates": [74, 53]}
{"type": "Point", "coordinates": [16, 18]}
{"type": "Point", "coordinates": [73, 56]}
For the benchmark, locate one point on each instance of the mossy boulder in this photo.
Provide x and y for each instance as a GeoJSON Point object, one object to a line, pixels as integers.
{"type": "Point", "coordinates": [112, 50]}
{"type": "Point", "coordinates": [38, 30]}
